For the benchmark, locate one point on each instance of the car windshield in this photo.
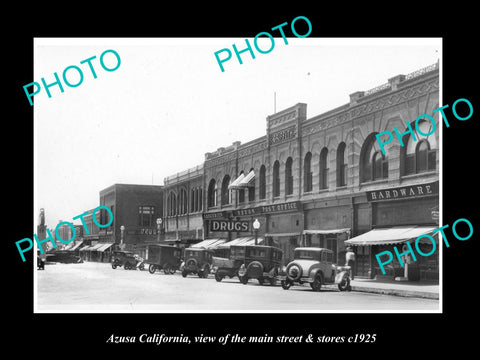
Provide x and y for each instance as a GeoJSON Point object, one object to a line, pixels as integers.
{"type": "Point", "coordinates": [307, 255]}
{"type": "Point", "coordinates": [195, 254]}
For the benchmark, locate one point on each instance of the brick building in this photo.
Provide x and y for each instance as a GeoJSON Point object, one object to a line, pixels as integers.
{"type": "Point", "coordinates": [319, 181]}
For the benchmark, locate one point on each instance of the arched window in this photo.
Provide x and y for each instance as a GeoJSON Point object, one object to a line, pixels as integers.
{"type": "Point", "coordinates": [421, 155]}
{"type": "Point", "coordinates": [276, 179]}
{"type": "Point", "coordinates": [341, 165]}
{"type": "Point", "coordinates": [200, 199]}
{"type": "Point", "coordinates": [373, 164]}
{"type": "Point", "coordinates": [225, 194]}
{"type": "Point", "coordinates": [183, 202]}
{"type": "Point", "coordinates": [192, 200]}
{"type": "Point", "coordinates": [251, 189]}
{"type": "Point", "coordinates": [288, 177]}
{"type": "Point", "coordinates": [241, 192]}
{"type": "Point", "coordinates": [323, 173]}
{"type": "Point", "coordinates": [262, 183]}
{"type": "Point", "coordinates": [172, 204]}
{"type": "Point", "coordinates": [212, 193]}
{"type": "Point", "coordinates": [307, 173]}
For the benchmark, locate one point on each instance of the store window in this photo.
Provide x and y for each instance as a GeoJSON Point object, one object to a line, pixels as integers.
{"type": "Point", "coordinates": [146, 216]}
{"type": "Point", "coordinates": [171, 204]}
{"type": "Point", "coordinates": [288, 177]}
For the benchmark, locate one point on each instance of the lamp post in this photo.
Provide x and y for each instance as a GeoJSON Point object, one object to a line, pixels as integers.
{"type": "Point", "coordinates": [122, 231]}
{"type": "Point", "coordinates": [159, 226]}
{"type": "Point", "coordinates": [256, 226]}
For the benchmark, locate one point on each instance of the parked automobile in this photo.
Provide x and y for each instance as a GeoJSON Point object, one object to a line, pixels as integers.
{"type": "Point", "coordinates": [197, 261]}
{"type": "Point", "coordinates": [164, 257]}
{"type": "Point", "coordinates": [262, 263]}
{"type": "Point", "coordinates": [223, 266]}
{"type": "Point", "coordinates": [127, 259]}
{"type": "Point", "coordinates": [62, 256]}
{"type": "Point", "coordinates": [314, 266]}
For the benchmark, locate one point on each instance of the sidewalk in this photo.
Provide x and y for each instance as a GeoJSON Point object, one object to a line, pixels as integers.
{"type": "Point", "coordinates": [420, 289]}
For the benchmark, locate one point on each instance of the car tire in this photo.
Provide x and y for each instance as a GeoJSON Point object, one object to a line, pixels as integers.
{"type": "Point", "coordinates": [218, 277]}
{"type": "Point", "coordinates": [200, 274]}
{"type": "Point", "coordinates": [126, 266]}
{"type": "Point", "coordinates": [142, 267]}
{"type": "Point", "coordinates": [286, 284]}
{"type": "Point", "coordinates": [114, 266]}
{"type": "Point", "coordinates": [344, 285]}
{"type": "Point", "coordinates": [243, 279]}
{"type": "Point", "coordinates": [316, 285]}
{"type": "Point", "coordinates": [184, 273]}
{"type": "Point", "coordinates": [152, 268]}
{"type": "Point", "coordinates": [167, 269]}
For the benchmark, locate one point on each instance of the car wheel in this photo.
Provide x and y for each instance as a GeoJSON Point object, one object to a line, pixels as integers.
{"type": "Point", "coordinates": [172, 271]}
{"type": "Point", "coordinates": [218, 277]}
{"type": "Point", "coordinates": [316, 285]}
{"type": "Point", "coordinates": [167, 268]}
{"type": "Point", "coordinates": [184, 273]}
{"type": "Point", "coordinates": [114, 266]}
{"type": "Point", "coordinates": [152, 268]}
{"type": "Point", "coordinates": [286, 284]}
{"type": "Point", "coordinates": [344, 284]}
{"type": "Point", "coordinates": [126, 266]}
{"type": "Point", "coordinates": [142, 267]}
{"type": "Point", "coordinates": [200, 274]}
{"type": "Point", "coordinates": [243, 279]}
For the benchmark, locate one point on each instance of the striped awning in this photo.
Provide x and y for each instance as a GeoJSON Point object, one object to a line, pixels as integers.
{"type": "Point", "coordinates": [234, 184]}
{"type": "Point", "coordinates": [209, 243]}
{"type": "Point", "coordinates": [241, 241]}
{"type": "Point", "coordinates": [390, 235]}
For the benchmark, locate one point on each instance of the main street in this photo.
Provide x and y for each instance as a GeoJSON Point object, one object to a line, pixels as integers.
{"type": "Point", "coordinates": [96, 287]}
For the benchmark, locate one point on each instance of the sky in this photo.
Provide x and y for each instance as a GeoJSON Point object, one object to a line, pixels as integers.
{"type": "Point", "coordinates": [168, 103]}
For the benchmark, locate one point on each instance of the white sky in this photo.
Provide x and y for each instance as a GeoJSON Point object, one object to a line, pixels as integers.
{"type": "Point", "coordinates": [168, 103]}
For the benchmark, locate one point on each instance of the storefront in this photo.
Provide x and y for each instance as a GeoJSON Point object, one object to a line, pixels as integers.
{"type": "Point", "coordinates": [399, 215]}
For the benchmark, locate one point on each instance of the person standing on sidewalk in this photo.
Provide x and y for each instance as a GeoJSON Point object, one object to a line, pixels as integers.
{"type": "Point", "coordinates": [350, 260]}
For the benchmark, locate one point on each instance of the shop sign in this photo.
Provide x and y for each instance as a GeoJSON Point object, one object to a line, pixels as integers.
{"type": "Point", "coordinates": [268, 209]}
{"type": "Point", "coordinates": [215, 215]}
{"type": "Point", "coordinates": [229, 225]}
{"type": "Point", "coordinates": [142, 231]}
{"type": "Point", "coordinates": [403, 192]}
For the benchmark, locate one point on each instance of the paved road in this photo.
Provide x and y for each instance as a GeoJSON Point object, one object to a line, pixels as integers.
{"type": "Point", "coordinates": [96, 287]}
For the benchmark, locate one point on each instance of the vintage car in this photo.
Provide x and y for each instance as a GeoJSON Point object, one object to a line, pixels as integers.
{"type": "Point", "coordinates": [197, 261]}
{"type": "Point", "coordinates": [164, 257]}
{"type": "Point", "coordinates": [262, 263]}
{"type": "Point", "coordinates": [127, 259]}
{"type": "Point", "coordinates": [314, 266]}
{"type": "Point", "coordinates": [223, 266]}
{"type": "Point", "coordinates": [61, 256]}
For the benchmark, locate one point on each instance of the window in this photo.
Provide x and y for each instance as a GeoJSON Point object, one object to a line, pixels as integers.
{"type": "Point", "coordinates": [146, 215]}
{"type": "Point", "coordinates": [307, 173]}
{"type": "Point", "coordinates": [323, 169]}
{"type": "Point", "coordinates": [251, 189]}
{"type": "Point", "coordinates": [373, 164]}
{"type": "Point", "coordinates": [421, 155]}
{"type": "Point", "coordinates": [276, 179]}
{"type": "Point", "coordinates": [225, 194]}
{"type": "Point", "coordinates": [288, 177]}
{"type": "Point", "coordinates": [262, 180]}
{"type": "Point", "coordinates": [200, 199]}
{"type": "Point", "coordinates": [183, 202]}
{"type": "Point", "coordinates": [171, 204]}
{"type": "Point", "coordinates": [212, 193]}
{"type": "Point", "coordinates": [192, 199]}
{"type": "Point", "coordinates": [341, 165]}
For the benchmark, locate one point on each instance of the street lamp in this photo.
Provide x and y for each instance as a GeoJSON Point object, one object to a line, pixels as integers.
{"type": "Point", "coordinates": [256, 226]}
{"type": "Point", "coordinates": [159, 225]}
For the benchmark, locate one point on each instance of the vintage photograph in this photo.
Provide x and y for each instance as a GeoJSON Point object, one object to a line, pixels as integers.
{"type": "Point", "coordinates": [170, 179]}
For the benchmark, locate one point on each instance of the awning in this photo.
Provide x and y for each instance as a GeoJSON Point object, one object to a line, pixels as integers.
{"type": "Point", "coordinates": [105, 246]}
{"type": "Point", "coordinates": [391, 235]}
{"type": "Point", "coordinates": [283, 234]}
{"type": "Point", "coordinates": [69, 246]}
{"type": "Point", "coordinates": [209, 243]}
{"type": "Point", "coordinates": [241, 241]}
{"type": "Point", "coordinates": [247, 181]}
{"type": "Point", "coordinates": [76, 246]}
{"type": "Point", "coordinates": [86, 248]}
{"type": "Point", "coordinates": [325, 232]}
{"type": "Point", "coordinates": [234, 184]}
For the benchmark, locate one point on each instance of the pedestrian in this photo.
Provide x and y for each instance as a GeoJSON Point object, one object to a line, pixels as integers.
{"type": "Point", "coordinates": [350, 261]}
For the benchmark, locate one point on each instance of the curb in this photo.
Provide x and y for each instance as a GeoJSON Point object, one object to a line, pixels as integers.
{"type": "Point", "coordinates": [397, 292]}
